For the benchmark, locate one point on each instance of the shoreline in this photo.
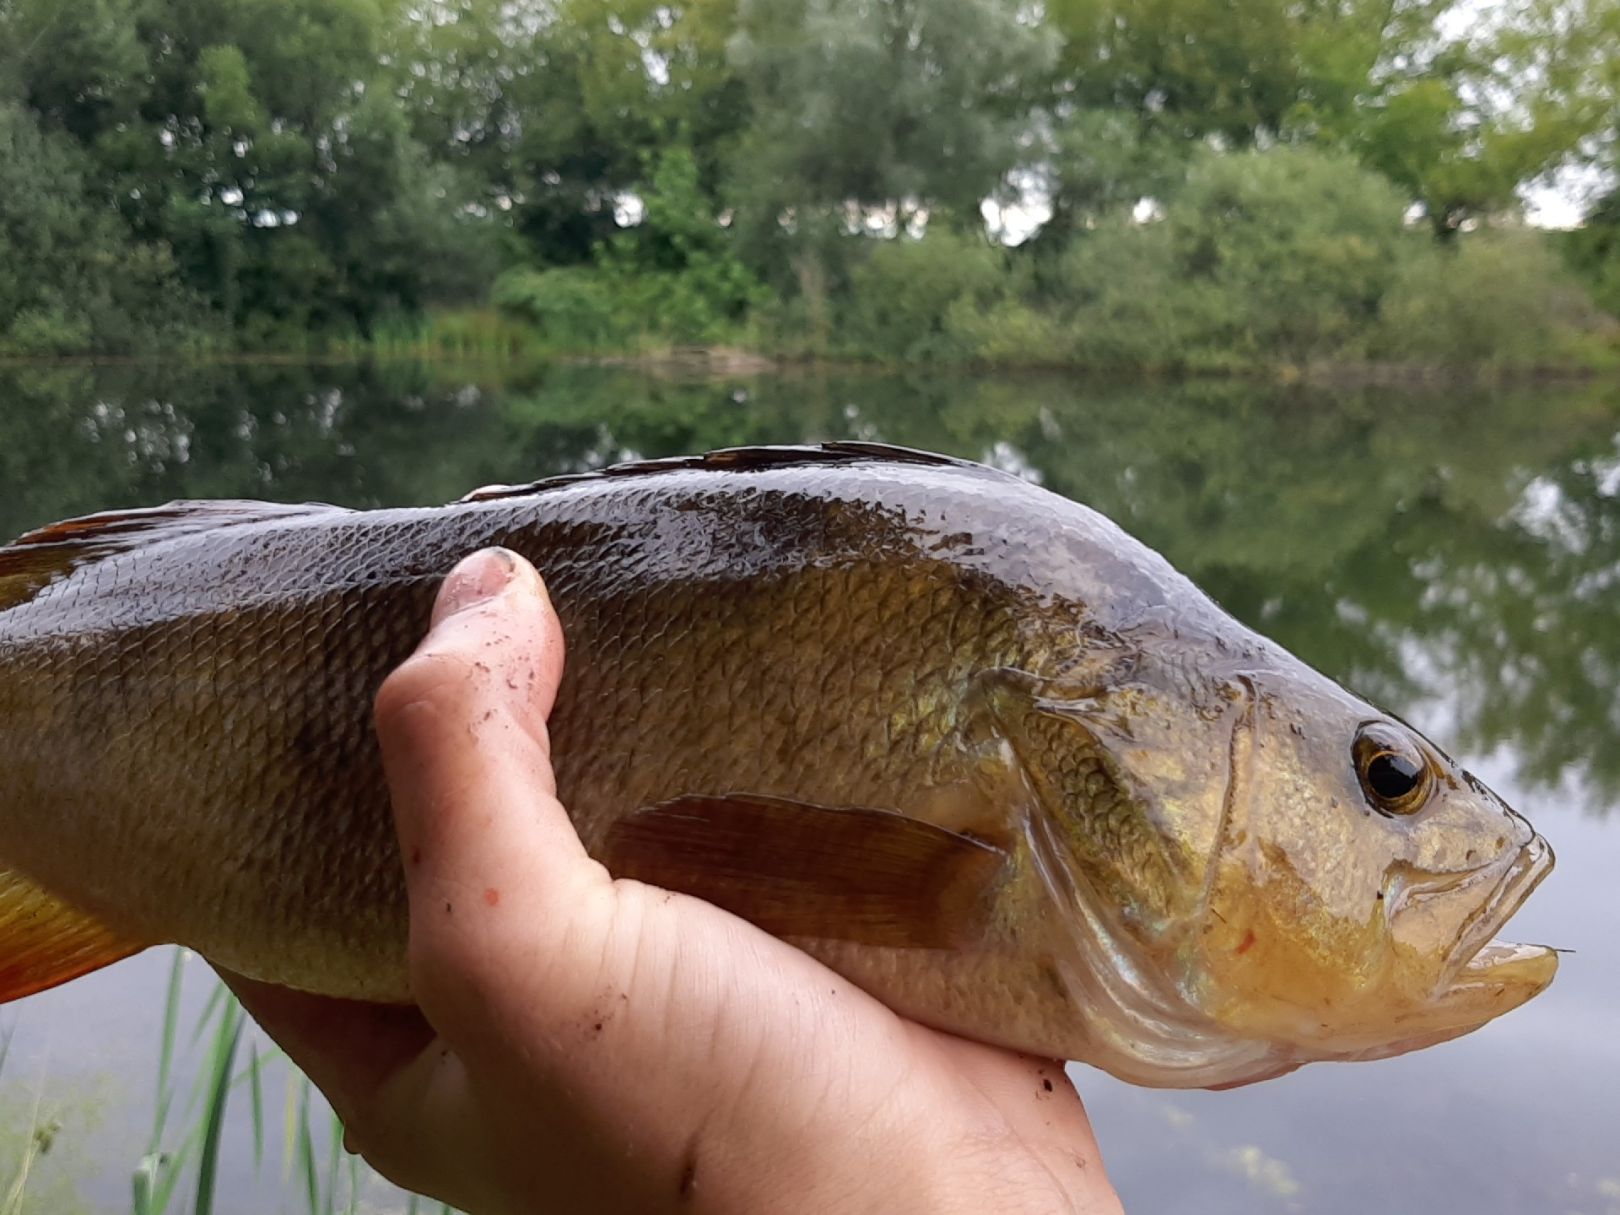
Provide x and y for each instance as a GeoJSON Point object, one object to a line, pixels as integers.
{"type": "Point", "coordinates": [724, 361]}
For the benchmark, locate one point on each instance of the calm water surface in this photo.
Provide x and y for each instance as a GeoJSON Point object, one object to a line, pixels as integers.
{"type": "Point", "coordinates": [1455, 557]}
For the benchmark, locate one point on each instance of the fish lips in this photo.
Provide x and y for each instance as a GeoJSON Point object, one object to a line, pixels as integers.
{"type": "Point", "coordinates": [1479, 960]}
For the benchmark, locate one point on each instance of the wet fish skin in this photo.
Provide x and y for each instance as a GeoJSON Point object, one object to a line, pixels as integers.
{"type": "Point", "coordinates": [186, 752]}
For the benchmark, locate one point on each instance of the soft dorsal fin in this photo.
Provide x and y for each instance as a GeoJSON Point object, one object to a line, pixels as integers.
{"type": "Point", "coordinates": [44, 941]}
{"type": "Point", "coordinates": [38, 558]}
{"type": "Point", "coordinates": [745, 460]}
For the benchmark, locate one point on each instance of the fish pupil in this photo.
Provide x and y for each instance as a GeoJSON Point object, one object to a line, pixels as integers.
{"type": "Point", "coordinates": [1392, 776]}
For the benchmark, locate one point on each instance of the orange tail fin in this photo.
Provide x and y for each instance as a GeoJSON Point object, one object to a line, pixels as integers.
{"type": "Point", "coordinates": [44, 941]}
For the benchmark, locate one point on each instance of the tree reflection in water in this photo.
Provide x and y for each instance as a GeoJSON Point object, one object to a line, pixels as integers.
{"type": "Point", "coordinates": [1452, 554]}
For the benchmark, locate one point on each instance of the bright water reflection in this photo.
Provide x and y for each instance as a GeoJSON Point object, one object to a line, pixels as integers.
{"type": "Point", "coordinates": [1455, 556]}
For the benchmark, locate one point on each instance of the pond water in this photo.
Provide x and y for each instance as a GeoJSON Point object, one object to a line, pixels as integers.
{"type": "Point", "coordinates": [1452, 555]}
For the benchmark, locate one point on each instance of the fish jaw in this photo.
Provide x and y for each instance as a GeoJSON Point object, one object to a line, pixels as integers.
{"type": "Point", "coordinates": [1488, 976]}
{"type": "Point", "coordinates": [1485, 976]}
{"type": "Point", "coordinates": [1478, 956]}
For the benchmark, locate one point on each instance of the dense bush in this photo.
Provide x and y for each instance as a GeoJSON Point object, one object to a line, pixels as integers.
{"type": "Point", "coordinates": [572, 307]}
{"type": "Point", "coordinates": [1255, 257]}
{"type": "Point", "coordinates": [672, 276]}
{"type": "Point", "coordinates": [1593, 252]}
{"type": "Point", "coordinates": [1122, 301]}
{"type": "Point", "coordinates": [675, 274]}
{"type": "Point", "coordinates": [283, 174]}
{"type": "Point", "coordinates": [904, 295]}
{"type": "Point", "coordinates": [1299, 245]}
{"type": "Point", "coordinates": [1492, 298]}
{"type": "Point", "coordinates": [1258, 258]}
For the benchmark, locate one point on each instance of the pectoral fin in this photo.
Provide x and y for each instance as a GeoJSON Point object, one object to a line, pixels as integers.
{"type": "Point", "coordinates": [45, 942]}
{"type": "Point", "coordinates": [799, 870]}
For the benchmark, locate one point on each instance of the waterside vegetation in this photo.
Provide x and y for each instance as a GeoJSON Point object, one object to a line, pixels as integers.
{"type": "Point", "coordinates": [1106, 184]}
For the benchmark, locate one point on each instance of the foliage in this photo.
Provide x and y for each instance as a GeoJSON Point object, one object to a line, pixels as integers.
{"type": "Point", "coordinates": [1124, 304]}
{"type": "Point", "coordinates": [673, 276]}
{"type": "Point", "coordinates": [910, 299]}
{"type": "Point", "coordinates": [675, 273]}
{"type": "Point", "coordinates": [1593, 252]}
{"type": "Point", "coordinates": [1255, 257]}
{"type": "Point", "coordinates": [865, 112]}
{"type": "Point", "coordinates": [1101, 160]}
{"type": "Point", "coordinates": [181, 1169]}
{"type": "Point", "coordinates": [1466, 113]}
{"type": "Point", "coordinates": [243, 136]}
{"type": "Point", "coordinates": [570, 306]}
{"type": "Point", "coordinates": [69, 277]}
{"type": "Point", "coordinates": [626, 174]}
{"type": "Point", "coordinates": [1298, 245]}
{"type": "Point", "coordinates": [1496, 298]}
{"type": "Point", "coordinates": [1458, 104]}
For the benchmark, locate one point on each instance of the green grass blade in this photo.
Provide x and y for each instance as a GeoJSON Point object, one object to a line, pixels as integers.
{"type": "Point", "coordinates": [140, 1202]}
{"type": "Point", "coordinates": [34, 1147]}
{"type": "Point", "coordinates": [334, 1156]}
{"type": "Point", "coordinates": [216, 1001]}
{"type": "Point", "coordinates": [171, 1020]}
{"type": "Point", "coordinates": [289, 1125]}
{"type": "Point", "coordinates": [306, 1155]}
{"type": "Point", "coordinates": [169, 1168]}
{"type": "Point", "coordinates": [256, 1096]}
{"type": "Point", "coordinates": [223, 1057]}
{"type": "Point", "coordinates": [354, 1183]}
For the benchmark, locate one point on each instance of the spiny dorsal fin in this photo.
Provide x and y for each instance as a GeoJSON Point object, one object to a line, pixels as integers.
{"type": "Point", "coordinates": [44, 941]}
{"type": "Point", "coordinates": [744, 460]}
{"type": "Point", "coordinates": [37, 558]}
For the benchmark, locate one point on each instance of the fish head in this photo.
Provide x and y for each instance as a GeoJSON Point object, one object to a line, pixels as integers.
{"type": "Point", "coordinates": [1253, 869]}
{"type": "Point", "coordinates": [1356, 882]}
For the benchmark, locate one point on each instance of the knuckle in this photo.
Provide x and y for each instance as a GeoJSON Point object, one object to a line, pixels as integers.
{"type": "Point", "coordinates": [445, 680]}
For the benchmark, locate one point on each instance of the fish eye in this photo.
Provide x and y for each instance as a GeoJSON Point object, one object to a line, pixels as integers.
{"type": "Point", "coordinates": [1394, 774]}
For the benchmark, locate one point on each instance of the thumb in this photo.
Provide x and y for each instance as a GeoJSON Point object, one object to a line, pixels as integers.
{"type": "Point", "coordinates": [496, 874]}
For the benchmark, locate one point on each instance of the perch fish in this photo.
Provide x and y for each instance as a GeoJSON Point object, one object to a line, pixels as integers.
{"type": "Point", "coordinates": [960, 738]}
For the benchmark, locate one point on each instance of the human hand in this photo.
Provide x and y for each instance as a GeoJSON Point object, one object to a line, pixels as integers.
{"type": "Point", "coordinates": [592, 1044]}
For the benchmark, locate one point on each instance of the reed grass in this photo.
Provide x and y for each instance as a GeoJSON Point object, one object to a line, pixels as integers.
{"type": "Point", "coordinates": [481, 335]}
{"type": "Point", "coordinates": [189, 1138]}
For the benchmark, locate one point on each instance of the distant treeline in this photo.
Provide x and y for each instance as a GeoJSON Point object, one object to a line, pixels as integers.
{"type": "Point", "coordinates": [1206, 185]}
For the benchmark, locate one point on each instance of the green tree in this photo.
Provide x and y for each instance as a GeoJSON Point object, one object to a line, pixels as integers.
{"type": "Point", "coordinates": [910, 299]}
{"type": "Point", "coordinates": [555, 113]}
{"type": "Point", "coordinates": [1258, 256]}
{"type": "Point", "coordinates": [70, 279]}
{"type": "Point", "coordinates": [676, 270]}
{"type": "Point", "coordinates": [1101, 160]}
{"type": "Point", "coordinates": [865, 114]}
{"type": "Point", "coordinates": [1593, 252]}
{"type": "Point", "coordinates": [673, 274]}
{"type": "Point", "coordinates": [1457, 103]}
{"type": "Point", "coordinates": [79, 65]}
{"type": "Point", "coordinates": [1464, 119]}
{"type": "Point", "coordinates": [259, 141]}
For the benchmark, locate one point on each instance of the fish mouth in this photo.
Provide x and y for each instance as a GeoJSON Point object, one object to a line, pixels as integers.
{"type": "Point", "coordinates": [1484, 977]}
{"type": "Point", "coordinates": [1480, 961]}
